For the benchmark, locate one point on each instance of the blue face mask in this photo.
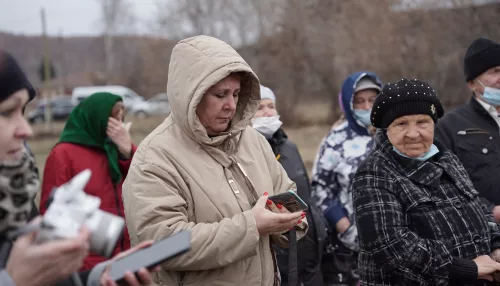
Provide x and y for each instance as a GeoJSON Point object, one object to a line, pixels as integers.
{"type": "Point", "coordinates": [363, 116]}
{"type": "Point", "coordinates": [432, 151]}
{"type": "Point", "coordinates": [491, 95]}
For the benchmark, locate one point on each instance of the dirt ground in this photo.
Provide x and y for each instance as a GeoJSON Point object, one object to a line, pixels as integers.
{"type": "Point", "coordinates": [306, 138]}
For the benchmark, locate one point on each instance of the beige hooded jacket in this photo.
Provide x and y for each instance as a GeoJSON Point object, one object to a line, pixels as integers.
{"type": "Point", "coordinates": [181, 179]}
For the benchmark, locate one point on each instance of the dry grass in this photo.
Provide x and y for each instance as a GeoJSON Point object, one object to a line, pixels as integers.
{"type": "Point", "coordinates": [312, 113]}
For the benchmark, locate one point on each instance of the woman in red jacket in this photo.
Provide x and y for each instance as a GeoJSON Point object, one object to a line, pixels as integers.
{"type": "Point", "coordinates": [94, 138]}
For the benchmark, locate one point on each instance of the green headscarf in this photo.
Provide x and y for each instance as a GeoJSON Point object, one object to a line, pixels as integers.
{"type": "Point", "coordinates": [87, 126]}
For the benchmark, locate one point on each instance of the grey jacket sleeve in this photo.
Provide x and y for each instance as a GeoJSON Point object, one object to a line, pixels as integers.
{"type": "Point", "coordinates": [5, 279]}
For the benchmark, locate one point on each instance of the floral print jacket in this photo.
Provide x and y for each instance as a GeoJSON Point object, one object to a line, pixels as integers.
{"type": "Point", "coordinates": [340, 153]}
{"type": "Point", "coordinates": [337, 161]}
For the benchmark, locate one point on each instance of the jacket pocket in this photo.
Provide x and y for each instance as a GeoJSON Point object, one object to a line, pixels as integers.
{"type": "Point", "coordinates": [476, 149]}
{"type": "Point", "coordinates": [428, 203]}
{"type": "Point", "coordinates": [419, 200]}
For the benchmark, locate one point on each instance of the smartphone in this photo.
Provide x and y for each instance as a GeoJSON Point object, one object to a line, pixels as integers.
{"type": "Point", "coordinates": [151, 256]}
{"type": "Point", "coordinates": [290, 200]}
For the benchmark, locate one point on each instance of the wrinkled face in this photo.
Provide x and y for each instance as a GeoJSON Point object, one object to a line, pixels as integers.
{"type": "Point", "coordinates": [412, 135]}
{"type": "Point", "coordinates": [490, 78]}
{"type": "Point", "coordinates": [364, 99]}
{"type": "Point", "coordinates": [118, 111]}
{"type": "Point", "coordinates": [267, 108]}
{"type": "Point", "coordinates": [15, 128]}
{"type": "Point", "coordinates": [218, 105]}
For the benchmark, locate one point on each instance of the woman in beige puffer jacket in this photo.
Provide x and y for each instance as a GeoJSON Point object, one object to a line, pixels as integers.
{"type": "Point", "coordinates": [204, 168]}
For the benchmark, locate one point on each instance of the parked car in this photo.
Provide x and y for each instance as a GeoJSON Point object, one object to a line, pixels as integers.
{"type": "Point", "coordinates": [157, 105]}
{"type": "Point", "coordinates": [130, 98]}
{"type": "Point", "coordinates": [61, 108]}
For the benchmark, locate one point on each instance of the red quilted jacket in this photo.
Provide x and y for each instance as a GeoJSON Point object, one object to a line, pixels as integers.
{"type": "Point", "coordinates": [65, 161]}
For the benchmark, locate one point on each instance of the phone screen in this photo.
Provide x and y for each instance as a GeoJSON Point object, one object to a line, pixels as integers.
{"type": "Point", "coordinates": [290, 200]}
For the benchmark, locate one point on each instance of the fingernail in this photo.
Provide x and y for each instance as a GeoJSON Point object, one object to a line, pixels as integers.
{"type": "Point", "coordinates": [279, 206]}
{"type": "Point", "coordinates": [299, 221]}
{"type": "Point", "coordinates": [265, 194]}
{"type": "Point", "coordinates": [269, 202]}
{"type": "Point", "coordinates": [303, 213]}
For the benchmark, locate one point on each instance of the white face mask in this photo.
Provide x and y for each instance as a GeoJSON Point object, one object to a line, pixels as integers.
{"type": "Point", "coordinates": [267, 126]}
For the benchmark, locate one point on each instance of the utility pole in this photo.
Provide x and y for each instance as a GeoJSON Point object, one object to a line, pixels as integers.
{"type": "Point", "coordinates": [47, 77]}
{"type": "Point", "coordinates": [109, 18]}
{"type": "Point", "coordinates": [63, 74]}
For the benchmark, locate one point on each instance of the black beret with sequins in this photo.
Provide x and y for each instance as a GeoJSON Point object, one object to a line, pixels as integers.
{"type": "Point", "coordinates": [405, 97]}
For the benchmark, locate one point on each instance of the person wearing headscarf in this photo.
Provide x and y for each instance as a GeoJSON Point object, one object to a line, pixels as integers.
{"type": "Point", "coordinates": [343, 149]}
{"type": "Point", "coordinates": [23, 261]}
{"type": "Point", "coordinates": [94, 138]}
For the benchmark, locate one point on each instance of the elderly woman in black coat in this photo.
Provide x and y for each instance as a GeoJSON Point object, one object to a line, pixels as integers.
{"type": "Point", "coordinates": [419, 218]}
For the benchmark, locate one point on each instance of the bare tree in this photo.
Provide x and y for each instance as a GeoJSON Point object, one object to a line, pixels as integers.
{"type": "Point", "coordinates": [180, 19]}
{"type": "Point", "coordinates": [238, 22]}
{"type": "Point", "coordinates": [116, 19]}
{"type": "Point", "coordinates": [304, 49]}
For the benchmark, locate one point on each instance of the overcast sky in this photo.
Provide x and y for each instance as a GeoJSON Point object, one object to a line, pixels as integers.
{"type": "Point", "coordinates": [72, 17]}
{"type": "Point", "coordinates": [81, 17]}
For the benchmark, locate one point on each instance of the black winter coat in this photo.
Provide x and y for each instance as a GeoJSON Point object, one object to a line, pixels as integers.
{"type": "Point", "coordinates": [419, 223]}
{"type": "Point", "coordinates": [471, 133]}
{"type": "Point", "coordinates": [309, 247]}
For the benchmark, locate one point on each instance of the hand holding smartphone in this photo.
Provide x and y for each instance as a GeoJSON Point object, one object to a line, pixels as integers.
{"type": "Point", "coordinates": [290, 200]}
{"type": "Point", "coordinates": [150, 257]}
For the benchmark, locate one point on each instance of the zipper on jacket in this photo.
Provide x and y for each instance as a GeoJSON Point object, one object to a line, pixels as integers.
{"type": "Point", "coordinates": [256, 198]}
{"type": "Point", "coordinates": [233, 186]}
{"type": "Point", "coordinates": [122, 239]}
{"type": "Point", "coordinates": [472, 131]}
{"type": "Point", "coordinates": [248, 183]}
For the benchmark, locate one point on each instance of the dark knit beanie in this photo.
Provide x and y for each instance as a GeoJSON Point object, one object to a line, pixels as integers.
{"type": "Point", "coordinates": [405, 97]}
{"type": "Point", "coordinates": [12, 78]}
{"type": "Point", "coordinates": [482, 55]}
